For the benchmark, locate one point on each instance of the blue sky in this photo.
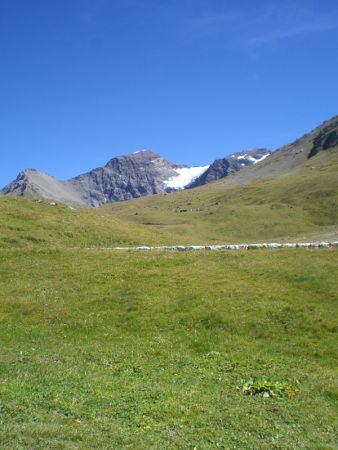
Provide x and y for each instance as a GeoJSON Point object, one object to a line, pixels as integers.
{"type": "Point", "coordinates": [82, 81]}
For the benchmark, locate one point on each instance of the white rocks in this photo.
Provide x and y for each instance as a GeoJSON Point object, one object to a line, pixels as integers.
{"type": "Point", "coordinates": [272, 246]}
{"type": "Point", "coordinates": [195, 247]}
{"type": "Point", "coordinates": [275, 245]}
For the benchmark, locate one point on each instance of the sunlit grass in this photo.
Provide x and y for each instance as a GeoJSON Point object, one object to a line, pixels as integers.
{"type": "Point", "coordinates": [139, 350]}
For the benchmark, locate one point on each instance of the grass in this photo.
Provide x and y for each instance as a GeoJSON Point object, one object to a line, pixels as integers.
{"type": "Point", "coordinates": [33, 223]}
{"type": "Point", "coordinates": [139, 350]}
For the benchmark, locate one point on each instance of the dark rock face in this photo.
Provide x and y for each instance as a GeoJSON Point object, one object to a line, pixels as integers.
{"type": "Point", "coordinates": [326, 139]}
{"type": "Point", "coordinates": [226, 166]}
{"type": "Point", "coordinates": [19, 185]}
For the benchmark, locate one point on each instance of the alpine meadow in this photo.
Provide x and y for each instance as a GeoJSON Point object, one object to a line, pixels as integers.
{"type": "Point", "coordinates": [156, 349]}
{"type": "Point", "coordinates": [182, 292]}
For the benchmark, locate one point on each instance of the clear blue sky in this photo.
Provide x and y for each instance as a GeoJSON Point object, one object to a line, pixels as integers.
{"type": "Point", "coordinates": [82, 81]}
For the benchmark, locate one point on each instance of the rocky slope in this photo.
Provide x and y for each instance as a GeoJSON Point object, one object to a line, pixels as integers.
{"type": "Point", "coordinates": [33, 183]}
{"type": "Point", "coordinates": [293, 157]}
{"type": "Point", "coordinates": [224, 167]}
{"type": "Point", "coordinates": [126, 177]}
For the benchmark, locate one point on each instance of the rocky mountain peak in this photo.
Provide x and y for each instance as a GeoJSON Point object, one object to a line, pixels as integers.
{"type": "Point", "coordinates": [140, 155]}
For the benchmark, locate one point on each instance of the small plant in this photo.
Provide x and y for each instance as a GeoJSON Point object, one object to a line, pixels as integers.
{"type": "Point", "coordinates": [266, 388]}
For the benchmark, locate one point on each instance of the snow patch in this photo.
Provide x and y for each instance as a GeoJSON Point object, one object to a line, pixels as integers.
{"type": "Point", "coordinates": [252, 159]}
{"type": "Point", "coordinates": [262, 158]}
{"type": "Point", "coordinates": [184, 177]}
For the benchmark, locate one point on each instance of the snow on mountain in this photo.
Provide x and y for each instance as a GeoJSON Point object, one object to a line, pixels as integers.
{"type": "Point", "coordinates": [251, 158]}
{"type": "Point", "coordinates": [255, 161]}
{"type": "Point", "coordinates": [185, 176]}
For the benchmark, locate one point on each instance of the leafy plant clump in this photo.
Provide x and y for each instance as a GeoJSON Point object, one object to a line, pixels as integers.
{"type": "Point", "coordinates": [266, 388]}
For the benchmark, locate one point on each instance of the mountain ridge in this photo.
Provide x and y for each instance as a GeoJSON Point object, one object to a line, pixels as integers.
{"type": "Point", "coordinates": [123, 177]}
{"type": "Point", "coordinates": [145, 173]}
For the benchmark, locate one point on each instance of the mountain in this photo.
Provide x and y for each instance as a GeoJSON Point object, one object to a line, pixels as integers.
{"type": "Point", "coordinates": [125, 177]}
{"type": "Point", "coordinates": [136, 175]}
{"type": "Point", "coordinates": [292, 194]}
{"type": "Point", "coordinates": [122, 178]}
{"type": "Point", "coordinates": [294, 157]}
{"type": "Point", "coordinates": [146, 173]}
{"type": "Point", "coordinates": [224, 167]}
{"type": "Point", "coordinates": [33, 183]}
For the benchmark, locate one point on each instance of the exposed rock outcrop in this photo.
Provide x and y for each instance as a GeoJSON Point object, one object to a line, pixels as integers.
{"type": "Point", "coordinates": [326, 139]}
{"type": "Point", "coordinates": [125, 177]}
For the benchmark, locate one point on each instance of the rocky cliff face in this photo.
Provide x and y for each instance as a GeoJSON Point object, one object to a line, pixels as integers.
{"type": "Point", "coordinates": [327, 137]}
{"type": "Point", "coordinates": [124, 178]}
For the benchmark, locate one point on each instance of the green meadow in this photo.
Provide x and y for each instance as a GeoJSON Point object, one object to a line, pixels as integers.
{"type": "Point", "coordinates": [111, 350]}
{"type": "Point", "coordinates": [34, 223]}
{"type": "Point", "coordinates": [140, 350]}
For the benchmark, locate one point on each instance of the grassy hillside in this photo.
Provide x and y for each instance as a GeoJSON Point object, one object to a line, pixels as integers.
{"type": "Point", "coordinates": [288, 196]}
{"type": "Point", "coordinates": [26, 222]}
{"type": "Point", "coordinates": [303, 204]}
{"type": "Point", "coordinates": [106, 350]}
{"type": "Point", "coordinates": [300, 206]}
{"type": "Point", "coordinates": [141, 350]}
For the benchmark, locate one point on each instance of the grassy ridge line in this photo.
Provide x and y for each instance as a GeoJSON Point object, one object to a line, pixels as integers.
{"type": "Point", "coordinates": [29, 222]}
{"type": "Point", "coordinates": [109, 350]}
